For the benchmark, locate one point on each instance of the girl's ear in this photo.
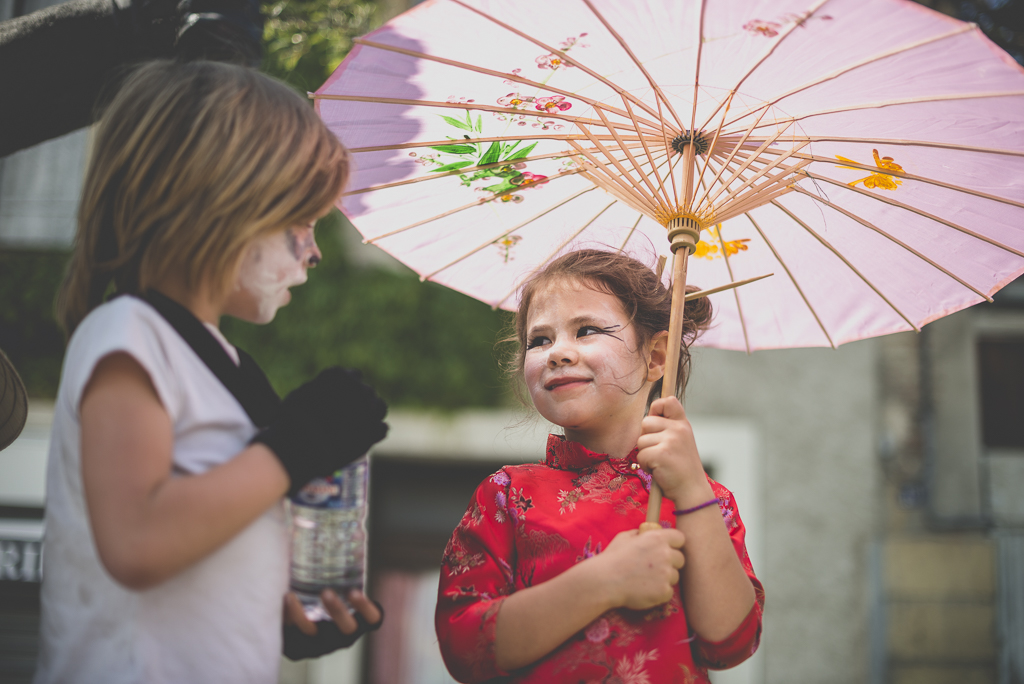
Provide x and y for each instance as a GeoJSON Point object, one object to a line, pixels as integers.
{"type": "Point", "coordinates": [656, 354]}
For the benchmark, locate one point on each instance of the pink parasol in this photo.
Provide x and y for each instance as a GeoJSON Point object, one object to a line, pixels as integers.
{"type": "Point", "coordinates": [869, 153]}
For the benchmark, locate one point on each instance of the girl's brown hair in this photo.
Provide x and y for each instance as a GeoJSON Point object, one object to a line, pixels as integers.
{"type": "Point", "coordinates": [646, 301]}
{"type": "Point", "coordinates": [190, 162]}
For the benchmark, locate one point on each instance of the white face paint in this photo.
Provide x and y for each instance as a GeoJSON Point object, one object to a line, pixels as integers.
{"type": "Point", "coordinates": [272, 264]}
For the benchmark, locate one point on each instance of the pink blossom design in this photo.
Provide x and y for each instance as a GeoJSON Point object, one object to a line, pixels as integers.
{"type": "Point", "coordinates": [514, 100]}
{"type": "Point", "coordinates": [598, 631]}
{"type": "Point", "coordinates": [527, 178]}
{"type": "Point", "coordinates": [552, 104]}
{"type": "Point", "coordinates": [768, 29]}
{"type": "Point", "coordinates": [501, 479]}
{"type": "Point", "coordinates": [551, 61]}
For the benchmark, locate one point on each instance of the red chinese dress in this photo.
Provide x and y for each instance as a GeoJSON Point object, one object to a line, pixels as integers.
{"type": "Point", "coordinates": [529, 523]}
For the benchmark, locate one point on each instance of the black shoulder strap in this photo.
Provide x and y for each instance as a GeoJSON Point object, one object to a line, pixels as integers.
{"type": "Point", "coordinates": [246, 381]}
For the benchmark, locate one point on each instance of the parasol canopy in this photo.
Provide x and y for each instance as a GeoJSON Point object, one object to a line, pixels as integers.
{"type": "Point", "coordinates": [869, 153]}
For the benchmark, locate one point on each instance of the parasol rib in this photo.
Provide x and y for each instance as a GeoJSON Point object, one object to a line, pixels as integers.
{"type": "Point", "coordinates": [910, 143]}
{"type": "Point", "coordinates": [622, 145]}
{"type": "Point", "coordinates": [558, 249]}
{"type": "Point", "coordinates": [732, 193]}
{"type": "Point", "coordinates": [735, 292]}
{"type": "Point", "coordinates": [507, 233]}
{"type": "Point", "coordinates": [792, 279]}
{"type": "Point", "coordinates": [497, 74]}
{"type": "Point", "coordinates": [464, 141]}
{"type": "Point", "coordinates": [456, 172]}
{"type": "Point", "coordinates": [907, 176]}
{"type": "Point", "coordinates": [868, 224]}
{"type": "Point", "coordinates": [642, 199]}
{"type": "Point", "coordinates": [869, 60]}
{"type": "Point", "coordinates": [768, 53]}
{"type": "Point", "coordinates": [647, 150]}
{"type": "Point", "coordinates": [901, 205]}
{"type": "Point", "coordinates": [705, 200]}
{"type": "Point", "coordinates": [485, 200]}
{"type": "Point", "coordinates": [696, 74]}
{"type": "Point", "coordinates": [909, 100]}
{"type": "Point", "coordinates": [632, 56]}
{"type": "Point", "coordinates": [732, 154]}
{"type": "Point", "coordinates": [846, 261]}
{"type": "Point", "coordinates": [630, 233]}
{"type": "Point", "coordinates": [714, 141]}
{"type": "Point", "coordinates": [470, 106]}
{"type": "Point", "coordinates": [585, 69]}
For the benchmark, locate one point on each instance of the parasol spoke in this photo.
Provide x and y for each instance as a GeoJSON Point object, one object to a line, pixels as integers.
{"type": "Point", "coordinates": [654, 193]}
{"type": "Point", "coordinates": [732, 193]}
{"type": "Point", "coordinates": [632, 230]}
{"type": "Point", "coordinates": [696, 74]}
{"type": "Point", "coordinates": [925, 214]}
{"type": "Point", "coordinates": [909, 143]}
{"type": "Point", "coordinates": [566, 58]}
{"type": "Point", "coordinates": [459, 141]}
{"type": "Point", "coordinates": [846, 261]}
{"type": "Point", "coordinates": [506, 233]}
{"type": "Point", "coordinates": [628, 188]}
{"type": "Point", "coordinates": [468, 106]}
{"type": "Point", "coordinates": [864, 62]}
{"type": "Point", "coordinates": [714, 142]}
{"type": "Point", "coordinates": [622, 42]}
{"type": "Point", "coordinates": [892, 238]}
{"type": "Point", "coordinates": [732, 154]}
{"type": "Point", "coordinates": [456, 172]}
{"type": "Point", "coordinates": [792, 279]}
{"type": "Point", "coordinates": [768, 52]}
{"type": "Point", "coordinates": [596, 104]}
{"type": "Point", "coordinates": [456, 210]}
{"type": "Point", "coordinates": [736, 291]}
{"type": "Point", "coordinates": [906, 176]}
{"type": "Point", "coordinates": [708, 202]}
{"type": "Point", "coordinates": [908, 100]}
{"type": "Point", "coordinates": [558, 249]}
{"type": "Point", "coordinates": [733, 210]}
{"type": "Point", "coordinates": [647, 150]}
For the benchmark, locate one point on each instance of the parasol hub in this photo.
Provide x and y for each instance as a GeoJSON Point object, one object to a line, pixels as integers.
{"type": "Point", "coordinates": [701, 142]}
{"type": "Point", "coordinates": [684, 231]}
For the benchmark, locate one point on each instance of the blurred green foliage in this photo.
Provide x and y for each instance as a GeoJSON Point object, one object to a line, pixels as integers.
{"type": "Point", "coordinates": [305, 40]}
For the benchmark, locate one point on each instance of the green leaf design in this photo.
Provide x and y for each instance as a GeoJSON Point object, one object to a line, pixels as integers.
{"type": "Point", "coordinates": [457, 123]}
{"type": "Point", "coordinates": [521, 153]}
{"type": "Point", "coordinates": [492, 154]}
{"type": "Point", "coordinates": [455, 149]}
{"type": "Point", "coordinates": [452, 167]}
{"type": "Point", "coordinates": [501, 188]}
{"type": "Point", "coordinates": [479, 123]}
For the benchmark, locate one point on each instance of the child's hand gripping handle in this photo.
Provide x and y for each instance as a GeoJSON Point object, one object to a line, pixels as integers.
{"type": "Point", "coordinates": [324, 425]}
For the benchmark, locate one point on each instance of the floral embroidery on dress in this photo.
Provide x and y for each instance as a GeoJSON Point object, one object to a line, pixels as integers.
{"type": "Point", "coordinates": [587, 551]}
{"type": "Point", "coordinates": [520, 504]}
{"type": "Point", "coordinates": [459, 559]}
{"type": "Point", "coordinates": [634, 671]}
{"type": "Point", "coordinates": [537, 543]}
{"type": "Point", "coordinates": [728, 509]}
{"type": "Point", "coordinates": [568, 500]}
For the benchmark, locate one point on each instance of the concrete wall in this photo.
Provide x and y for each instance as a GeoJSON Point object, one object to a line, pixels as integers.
{"type": "Point", "coordinates": [814, 410]}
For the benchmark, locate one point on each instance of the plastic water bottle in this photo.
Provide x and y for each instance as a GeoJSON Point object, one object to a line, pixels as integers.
{"type": "Point", "coordinates": [328, 528]}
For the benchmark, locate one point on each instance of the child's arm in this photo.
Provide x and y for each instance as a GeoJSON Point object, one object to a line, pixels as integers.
{"type": "Point", "coordinates": [636, 571]}
{"type": "Point", "coordinates": [716, 590]}
{"type": "Point", "coordinates": [149, 525]}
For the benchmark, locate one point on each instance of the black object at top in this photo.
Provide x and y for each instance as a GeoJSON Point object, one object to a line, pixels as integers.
{"type": "Point", "coordinates": [246, 381]}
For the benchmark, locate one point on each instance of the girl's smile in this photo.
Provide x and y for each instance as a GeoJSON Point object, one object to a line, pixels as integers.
{"type": "Point", "coordinates": [582, 368]}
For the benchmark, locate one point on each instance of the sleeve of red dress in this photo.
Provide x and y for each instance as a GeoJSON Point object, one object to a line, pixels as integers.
{"type": "Point", "coordinates": [476, 576]}
{"type": "Point", "coordinates": [741, 644]}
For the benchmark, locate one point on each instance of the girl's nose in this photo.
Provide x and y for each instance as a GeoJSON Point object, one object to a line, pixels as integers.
{"type": "Point", "coordinates": [561, 354]}
{"type": "Point", "coordinates": [314, 256]}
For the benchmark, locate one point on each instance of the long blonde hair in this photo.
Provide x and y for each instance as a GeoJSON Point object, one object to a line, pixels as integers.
{"type": "Point", "coordinates": [190, 162]}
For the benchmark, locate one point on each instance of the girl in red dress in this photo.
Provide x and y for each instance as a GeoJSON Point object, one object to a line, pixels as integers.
{"type": "Point", "coordinates": [546, 578]}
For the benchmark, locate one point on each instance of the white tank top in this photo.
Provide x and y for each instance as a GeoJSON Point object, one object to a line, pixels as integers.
{"type": "Point", "coordinates": [219, 620]}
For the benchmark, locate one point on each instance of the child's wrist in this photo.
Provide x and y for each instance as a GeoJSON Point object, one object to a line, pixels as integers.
{"type": "Point", "coordinates": [695, 494]}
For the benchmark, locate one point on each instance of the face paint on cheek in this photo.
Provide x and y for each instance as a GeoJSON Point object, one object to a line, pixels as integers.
{"type": "Point", "coordinates": [302, 244]}
{"type": "Point", "coordinates": [268, 269]}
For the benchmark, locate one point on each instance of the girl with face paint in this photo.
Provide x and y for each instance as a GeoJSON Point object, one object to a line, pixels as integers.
{"type": "Point", "coordinates": [167, 548]}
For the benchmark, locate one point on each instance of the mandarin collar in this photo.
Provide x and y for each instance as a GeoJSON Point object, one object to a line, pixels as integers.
{"type": "Point", "coordinates": [565, 454]}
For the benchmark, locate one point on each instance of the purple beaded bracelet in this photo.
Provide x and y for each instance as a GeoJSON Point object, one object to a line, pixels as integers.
{"type": "Point", "coordinates": [695, 508]}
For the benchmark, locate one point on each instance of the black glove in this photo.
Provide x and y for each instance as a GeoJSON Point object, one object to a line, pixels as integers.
{"type": "Point", "coordinates": [328, 637]}
{"type": "Point", "coordinates": [324, 425]}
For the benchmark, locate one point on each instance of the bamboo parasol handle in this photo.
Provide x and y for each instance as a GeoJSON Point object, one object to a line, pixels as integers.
{"type": "Point", "coordinates": [668, 386]}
